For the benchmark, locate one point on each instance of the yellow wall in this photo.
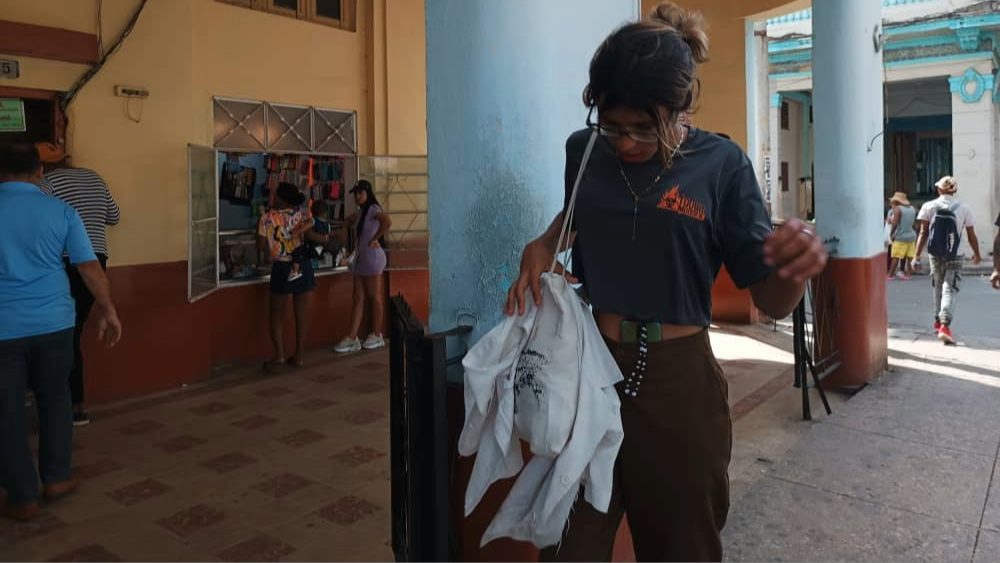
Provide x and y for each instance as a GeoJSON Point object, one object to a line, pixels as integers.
{"type": "Point", "coordinates": [187, 51]}
{"type": "Point", "coordinates": [723, 79]}
{"type": "Point", "coordinates": [406, 49]}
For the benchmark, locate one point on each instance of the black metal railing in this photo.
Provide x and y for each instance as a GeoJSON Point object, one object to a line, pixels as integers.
{"type": "Point", "coordinates": [421, 451]}
{"type": "Point", "coordinates": [813, 342]}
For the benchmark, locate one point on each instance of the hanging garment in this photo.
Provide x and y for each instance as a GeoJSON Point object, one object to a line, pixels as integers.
{"type": "Point", "coordinates": [546, 378]}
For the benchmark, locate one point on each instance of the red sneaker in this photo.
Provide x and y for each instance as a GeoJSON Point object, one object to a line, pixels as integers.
{"type": "Point", "coordinates": [937, 325]}
{"type": "Point", "coordinates": [944, 335]}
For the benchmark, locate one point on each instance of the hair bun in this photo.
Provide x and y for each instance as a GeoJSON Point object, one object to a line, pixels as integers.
{"type": "Point", "coordinates": [689, 25]}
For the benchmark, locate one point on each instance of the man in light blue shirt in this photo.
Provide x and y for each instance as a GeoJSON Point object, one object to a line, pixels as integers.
{"type": "Point", "coordinates": [37, 318]}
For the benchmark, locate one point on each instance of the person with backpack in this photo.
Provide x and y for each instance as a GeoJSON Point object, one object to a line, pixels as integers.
{"type": "Point", "coordinates": [942, 221]}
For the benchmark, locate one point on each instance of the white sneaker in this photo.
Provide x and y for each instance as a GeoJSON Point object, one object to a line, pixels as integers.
{"type": "Point", "coordinates": [374, 342]}
{"type": "Point", "coordinates": [347, 346]}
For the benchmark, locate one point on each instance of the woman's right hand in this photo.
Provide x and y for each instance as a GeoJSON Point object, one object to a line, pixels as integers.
{"type": "Point", "coordinates": [535, 261]}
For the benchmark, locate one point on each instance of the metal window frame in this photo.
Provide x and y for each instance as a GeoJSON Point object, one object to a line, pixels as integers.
{"type": "Point", "coordinates": [191, 224]}
{"type": "Point", "coordinates": [397, 236]}
{"type": "Point", "coordinates": [316, 115]}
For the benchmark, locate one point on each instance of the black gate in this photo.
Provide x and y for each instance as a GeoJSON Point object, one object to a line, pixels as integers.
{"type": "Point", "coordinates": [816, 353]}
{"type": "Point", "coordinates": [421, 457]}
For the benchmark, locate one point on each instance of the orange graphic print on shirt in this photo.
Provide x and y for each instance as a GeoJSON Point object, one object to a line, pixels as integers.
{"type": "Point", "coordinates": [674, 200]}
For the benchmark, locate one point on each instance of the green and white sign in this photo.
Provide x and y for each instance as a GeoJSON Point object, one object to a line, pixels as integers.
{"type": "Point", "coordinates": [11, 116]}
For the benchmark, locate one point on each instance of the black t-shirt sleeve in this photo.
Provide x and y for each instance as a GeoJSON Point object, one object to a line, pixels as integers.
{"type": "Point", "coordinates": [744, 223]}
{"type": "Point", "coordinates": [997, 223]}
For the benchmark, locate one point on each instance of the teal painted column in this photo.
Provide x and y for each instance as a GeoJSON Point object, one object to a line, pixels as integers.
{"type": "Point", "coordinates": [505, 85]}
{"type": "Point", "coordinates": [848, 122]}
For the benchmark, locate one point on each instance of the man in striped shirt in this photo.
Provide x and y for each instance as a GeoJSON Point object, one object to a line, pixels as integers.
{"type": "Point", "coordinates": [85, 191]}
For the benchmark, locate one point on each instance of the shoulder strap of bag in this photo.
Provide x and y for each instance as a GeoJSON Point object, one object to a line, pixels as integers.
{"type": "Point", "coordinates": [571, 207]}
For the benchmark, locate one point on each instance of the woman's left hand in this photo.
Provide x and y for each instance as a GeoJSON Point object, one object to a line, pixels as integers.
{"type": "Point", "coordinates": [795, 251]}
{"type": "Point", "coordinates": [374, 244]}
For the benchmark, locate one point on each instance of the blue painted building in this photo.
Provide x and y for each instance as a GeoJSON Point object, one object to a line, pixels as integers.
{"type": "Point", "coordinates": [941, 99]}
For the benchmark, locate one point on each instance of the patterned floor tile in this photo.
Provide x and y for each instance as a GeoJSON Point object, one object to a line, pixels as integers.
{"type": "Point", "coordinates": [92, 552]}
{"type": "Point", "coordinates": [192, 519]}
{"type": "Point", "coordinates": [315, 404]}
{"type": "Point", "coordinates": [302, 438]}
{"type": "Point", "coordinates": [273, 392]}
{"type": "Point", "coordinates": [357, 456]}
{"type": "Point", "coordinates": [141, 427]}
{"type": "Point", "coordinates": [138, 492]}
{"type": "Point", "coordinates": [203, 476]}
{"type": "Point", "coordinates": [229, 462]}
{"type": "Point", "coordinates": [368, 388]}
{"type": "Point", "coordinates": [96, 469]}
{"type": "Point", "coordinates": [327, 378]}
{"type": "Point", "coordinates": [44, 524]}
{"type": "Point", "coordinates": [210, 409]}
{"type": "Point", "coordinates": [348, 510]}
{"type": "Point", "coordinates": [254, 422]}
{"type": "Point", "coordinates": [178, 444]}
{"type": "Point", "coordinates": [283, 484]}
{"type": "Point", "coordinates": [363, 417]}
{"type": "Point", "coordinates": [258, 548]}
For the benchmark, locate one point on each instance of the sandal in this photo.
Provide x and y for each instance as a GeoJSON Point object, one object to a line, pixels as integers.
{"type": "Point", "coordinates": [295, 363]}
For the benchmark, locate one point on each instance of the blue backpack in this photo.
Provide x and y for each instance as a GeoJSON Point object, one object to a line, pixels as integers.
{"type": "Point", "coordinates": [945, 236]}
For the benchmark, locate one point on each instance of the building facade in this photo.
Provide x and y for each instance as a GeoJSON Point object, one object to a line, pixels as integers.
{"type": "Point", "coordinates": [338, 82]}
{"type": "Point", "coordinates": [941, 105]}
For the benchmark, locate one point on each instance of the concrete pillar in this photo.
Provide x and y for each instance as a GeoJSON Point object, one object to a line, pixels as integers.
{"type": "Point", "coordinates": [772, 157]}
{"type": "Point", "coordinates": [974, 165]}
{"type": "Point", "coordinates": [757, 97]}
{"type": "Point", "coordinates": [504, 91]}
{"type": "Point", "coordinates": [505, 86]}
{"type": "Point", "coordinates": [848, 120]}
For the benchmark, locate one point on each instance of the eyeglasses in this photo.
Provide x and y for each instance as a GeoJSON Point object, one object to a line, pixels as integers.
{"type": "Point", "coordinates": [612, 134]}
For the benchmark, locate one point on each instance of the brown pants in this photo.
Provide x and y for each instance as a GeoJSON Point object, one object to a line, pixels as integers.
{"type": "Point", "coordinates": [671, 478]}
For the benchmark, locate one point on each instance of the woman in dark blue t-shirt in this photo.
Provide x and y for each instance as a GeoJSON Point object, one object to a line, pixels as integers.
{"type": "Point", "coordinates": [661, 208]}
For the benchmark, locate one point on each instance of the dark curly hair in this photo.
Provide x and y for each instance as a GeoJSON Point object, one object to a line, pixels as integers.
{"type": "Point", "coordinates": [651, 64]}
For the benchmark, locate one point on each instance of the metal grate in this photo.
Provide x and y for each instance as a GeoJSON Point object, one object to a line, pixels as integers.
{"type": "Point", "coordinates": [250, 125]}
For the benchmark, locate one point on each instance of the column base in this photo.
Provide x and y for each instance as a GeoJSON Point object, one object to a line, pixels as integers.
{"type": "Point", "coordinates": [851, 307]}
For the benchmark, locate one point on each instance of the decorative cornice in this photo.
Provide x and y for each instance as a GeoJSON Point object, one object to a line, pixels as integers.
{"type": "Point", "coordinates": [981, 84]}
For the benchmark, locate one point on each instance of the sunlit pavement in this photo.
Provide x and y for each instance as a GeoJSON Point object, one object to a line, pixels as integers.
{"type": "Point", "coordinates": [906, 469]}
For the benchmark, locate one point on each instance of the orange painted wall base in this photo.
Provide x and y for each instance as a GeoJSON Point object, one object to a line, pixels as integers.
{"type": "Point", "coordinates": [169, 342]}
{"type": "Point", "coordinates": [858, 314]}
{"type": "Point", "coordinates": [731, 304]}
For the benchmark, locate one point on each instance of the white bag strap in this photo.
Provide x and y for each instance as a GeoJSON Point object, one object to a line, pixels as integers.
{"type": "Point", "coordinates": [571, 206]}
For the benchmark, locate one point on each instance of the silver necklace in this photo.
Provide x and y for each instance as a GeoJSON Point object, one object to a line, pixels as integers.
{"type": "Point", "coordinates": [637, 196]}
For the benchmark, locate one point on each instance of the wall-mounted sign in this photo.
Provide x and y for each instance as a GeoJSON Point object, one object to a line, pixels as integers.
{"type": "Point", "coordinates": [11, 116]}
{"type": "Point", "coordinates": [9, 69]}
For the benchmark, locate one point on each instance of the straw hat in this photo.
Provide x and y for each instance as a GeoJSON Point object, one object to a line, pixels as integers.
{"type": "Point", "coordinates": [900, 198]}
{"type": "Point", "coordinates": [947, 185]}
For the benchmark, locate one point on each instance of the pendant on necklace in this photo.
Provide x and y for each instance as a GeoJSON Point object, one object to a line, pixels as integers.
{"type": "Point", "coordinates": [635, 217]}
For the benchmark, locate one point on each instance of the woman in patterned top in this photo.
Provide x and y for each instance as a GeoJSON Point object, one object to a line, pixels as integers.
{"type": "Point", "coordinates": [276, 236]}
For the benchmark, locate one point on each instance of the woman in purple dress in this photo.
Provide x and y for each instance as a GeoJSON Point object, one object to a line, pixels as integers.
{"type": "Point", "coordinates": [371, 224]}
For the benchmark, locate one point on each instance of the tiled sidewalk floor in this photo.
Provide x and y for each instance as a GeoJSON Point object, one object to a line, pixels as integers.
{"type": "Point", "coordinates": [253, 468]}
{"type": "Point", "coordinates": [295, 467]}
